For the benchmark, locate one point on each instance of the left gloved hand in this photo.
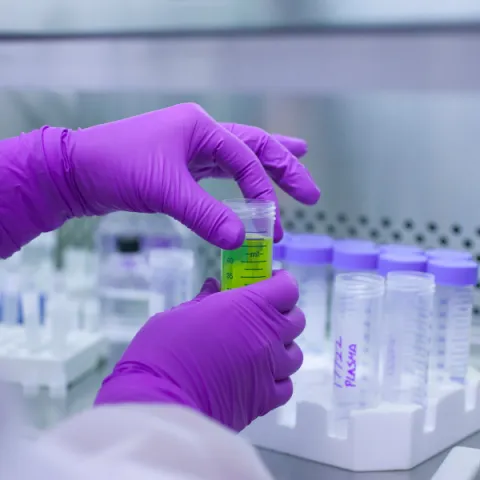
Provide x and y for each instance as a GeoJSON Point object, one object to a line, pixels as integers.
{"type": "Point", "coordinates": [227, 354]}
{"type": "Point", "coordinates": [149, 163]}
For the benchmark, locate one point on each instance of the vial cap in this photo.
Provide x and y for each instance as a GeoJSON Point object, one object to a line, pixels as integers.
{"type": "Point", "coordinates": [453, 272]}
{"type": "Point", "coordinates": [449, 253]}
{"type": "Point", "coordinates": [354, 242]}
{"type": "Point", "coordinates": [309, 249]}
{"type": "Point", "coordinates": [355, 257]}
{"type": "Point", "coordinates": [394, 262]}
{"type": "Point", "coordinates": [401, 249]}
{"type": "Point", "coordinates": [280, 247]}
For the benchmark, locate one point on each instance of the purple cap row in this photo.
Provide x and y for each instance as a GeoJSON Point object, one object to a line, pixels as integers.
{"type": "Point", "coordinates": [450, 267]}
{"type": "Point", "coordinates": [351, 254]}
{"type": "Point", "coordinates": [446, 270]}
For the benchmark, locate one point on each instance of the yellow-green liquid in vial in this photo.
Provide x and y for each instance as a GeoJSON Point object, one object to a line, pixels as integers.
{"type": "Point", "coordinates": [251, 263]}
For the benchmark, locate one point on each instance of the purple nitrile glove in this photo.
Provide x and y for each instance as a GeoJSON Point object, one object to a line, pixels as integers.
{"type": "Point", "coordinates": [228, 355]}
{"type": "Point", "coordinates": [149, 163]}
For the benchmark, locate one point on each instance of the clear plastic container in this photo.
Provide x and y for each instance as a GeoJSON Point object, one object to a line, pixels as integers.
{"type": "Point", "coordinates": [124, 285]}
{"type": "Point", "coordinates": [252, 262]}
{"type": "Point", "coordinates": [172, 278]}
{"type": "Point", "coordinates": [123, 243]}
{"type": "Point", "coordinates": [448, 253]}
{"type": "Point", "coordinates": [356, 316]}
{"type": "Point", "coordinates": [308, 259]}
{"type": "Point", "coordinates": [40, 251]}
{"type": "Point", "coordinates": [80, 270]}
{"type": "Point", "coordinates": [11, 288]}
{"type": "Point", "coordinates": [399, 248]}
{"type": "Point", "coordinates": [453, 318]}
{"type": "Point", "coordinates": [408, 317]}
{"type": "Point", "coordinates": [400, 262]}
{"type": "Point", "coordinates": [352, 257]}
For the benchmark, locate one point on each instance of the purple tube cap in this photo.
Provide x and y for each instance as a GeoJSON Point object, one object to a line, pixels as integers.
{"type": "Point", "coordinates": [354, 242]}
{"type": "Point", "coordinates": [449, 254]}
{"type": "Point", "coordinates": [355, 257]}
{"type": "Point", "coordinates": [398, 248]}
{"type": "Point", "coordinates": [279, 248]}
{"type": "Point", "coordinates": [394, 262]}
{"type": "Point", "coordinates": [449, 271]}
{"type": "Point", "coordinates": [309, 249]}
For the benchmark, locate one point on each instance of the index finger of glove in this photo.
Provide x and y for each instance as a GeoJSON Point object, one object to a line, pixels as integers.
{"type": "Point", "coordinates": [242, 164]}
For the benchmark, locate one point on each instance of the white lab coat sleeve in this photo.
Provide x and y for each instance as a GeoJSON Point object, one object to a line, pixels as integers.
{"type": "Point", "coordinates": [142, 442]}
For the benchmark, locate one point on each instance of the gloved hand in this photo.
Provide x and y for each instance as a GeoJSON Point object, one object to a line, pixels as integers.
{"type": "Point", "coordinates": [228, 355]}
{"type": "Point", "coordinates": [149, 163]}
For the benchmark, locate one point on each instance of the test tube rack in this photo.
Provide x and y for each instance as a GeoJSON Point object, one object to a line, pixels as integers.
{"type": "Point", "coordinates": [44, 368]}
{"type": "Point", "coordinates": [390, 437]}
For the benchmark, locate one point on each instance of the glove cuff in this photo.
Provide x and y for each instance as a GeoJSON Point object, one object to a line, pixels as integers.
{"type": "Point", "coordinates": [35, 196]}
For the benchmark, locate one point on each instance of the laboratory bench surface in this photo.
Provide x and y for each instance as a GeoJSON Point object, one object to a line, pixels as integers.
{"type": "Point", "coordinates": [46, 412]}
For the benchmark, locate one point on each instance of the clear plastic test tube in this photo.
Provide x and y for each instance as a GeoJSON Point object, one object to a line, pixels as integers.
{"type": "Point", "coordinates": [59, 323]}
{"type": "Point", "coordinates": [252, 262]}
{"type": "Point", "coordinates": [356, 316]}
{"type": "Point", "coordinates": [308, 258]}
{"type": "Point", "coordinates": [172, 278]}
{"type": "Point", "coordinates": [408, 315]}
{"type": "Point", "coordinates": [31, 320]}
{"type": "Point", "coordinates": [455, 281]}
{"type": "Point", "coordinates": [397, 262]}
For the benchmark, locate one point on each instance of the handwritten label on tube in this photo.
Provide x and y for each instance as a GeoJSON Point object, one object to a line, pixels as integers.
{"type": "Point", "coordinates": [338, 366]}
{"type": "Point", "coordinates": [350, 380]}
{"type": "Point", "coordinates": [345, 369]}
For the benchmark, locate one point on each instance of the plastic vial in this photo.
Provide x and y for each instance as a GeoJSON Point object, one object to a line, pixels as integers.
{"type": "Point", "coordinates": [252, 262]}
{"type": "Point", "coordinates": [91, 315]}
{"type": "Point", "coordinates": [395, 262]}
{"type": "Point", "coordinates": [356, 316]}
{"type": "Point", "coordinates": [59, 323]}
{"type": "Point", "coordinates": [448, 253]}
{"type": "Point", "coordinates": [124, 281]}
{"type": "Point", "coordinates": [408, 317]}
{"type": "Point", "coordinates": [172, 278]}
{"type": "Point", "coordinates": [11, 289]}
{"type": "Point", "coordinates": [308, 259]}
{"type": "Point", "coordinates": [123, 243]}
{"type": "Point", "coordinates": [31, 314]}
{"type": "Point", "coordinates": [453, 318]}
{"type": "Point", "coordinates": [398, 248]}
{"type": "Point", "coordinates": [349, 257]}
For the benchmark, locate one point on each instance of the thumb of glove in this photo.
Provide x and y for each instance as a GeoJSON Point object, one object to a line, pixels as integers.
{"type": "Point", "coordinates": [208, 217]}
{"type": "Point", "coordinates": [209, 287]}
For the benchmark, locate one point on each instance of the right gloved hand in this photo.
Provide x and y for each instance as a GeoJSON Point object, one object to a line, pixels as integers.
{"type": "Point", "coordinates": [226, 354]}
